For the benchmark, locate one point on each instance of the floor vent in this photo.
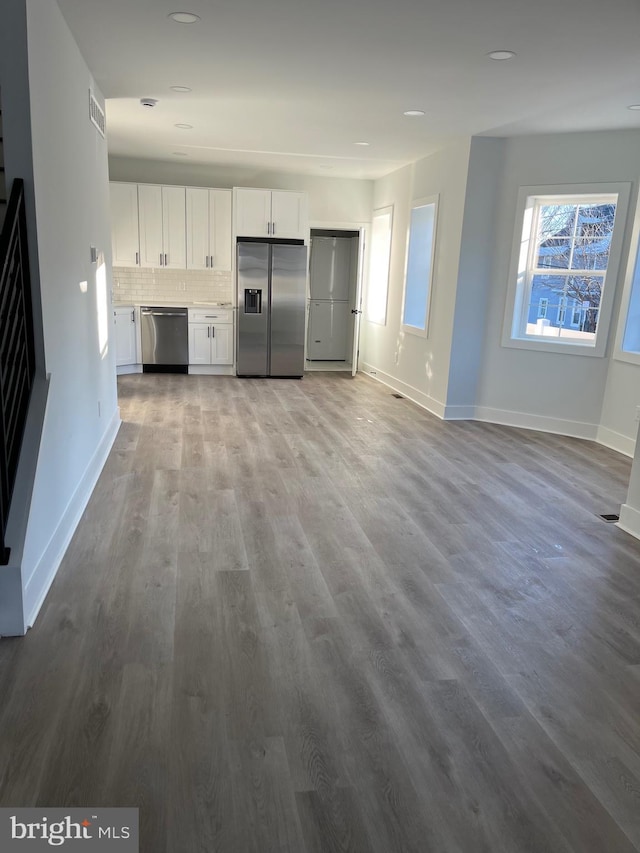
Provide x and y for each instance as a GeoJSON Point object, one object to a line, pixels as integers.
{"type": "Point", "coordinates": [398, 396]}
{"type": "Point", "coordinates": [610, 517]}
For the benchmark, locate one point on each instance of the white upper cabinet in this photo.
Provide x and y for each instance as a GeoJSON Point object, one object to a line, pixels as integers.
{"type": "Point", "coordinates": [125, 241]}
{"type": "Point", "coordinates": [162, 223]}
{"type": "Point", "coordinates": [270, 213]}
{"type": "Point", "coordinates": [253, 212]}
{"type": "Point", "coordinates": [208, 229]}
{"type": "Point", "coordinates": [289, 214]}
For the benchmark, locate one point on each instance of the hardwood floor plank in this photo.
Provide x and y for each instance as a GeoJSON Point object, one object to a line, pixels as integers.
{"type": "Point", "coordinates": [310, 617]}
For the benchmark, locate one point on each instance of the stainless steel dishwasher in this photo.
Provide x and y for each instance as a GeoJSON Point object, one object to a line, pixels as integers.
{"type": "Point", "coordinates": [165, 339]}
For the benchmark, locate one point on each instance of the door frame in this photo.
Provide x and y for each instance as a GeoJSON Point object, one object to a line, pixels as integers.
{"type": "Point", "coordinates": [363, 260]}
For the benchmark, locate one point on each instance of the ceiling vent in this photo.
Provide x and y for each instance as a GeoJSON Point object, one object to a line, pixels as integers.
{"type": "Point", "coordinates": [96, 114]}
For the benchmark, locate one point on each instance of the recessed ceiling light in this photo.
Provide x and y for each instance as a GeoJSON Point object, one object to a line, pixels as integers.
{"type": "Point", "coordinates": [413, 112]}
{"type": "Point", "coordinates": [184, 126]}
{"type": "Point", "coordinates": [179, 153]}
{"type": "Point", "coordinates": [184, 17]}
{"type": "Point", "coordinates": [500, 55]}
{"type": "Point", "coordinates": [362, 143]}
{"type": "Point", "coordinates": [180, 88]}
{"type": "Point", "coordinates": [633, 107]}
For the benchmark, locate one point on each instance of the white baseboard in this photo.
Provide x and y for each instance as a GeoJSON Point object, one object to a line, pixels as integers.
{"type": "Point", "coordinates": [419, 397]}
{"type": "Point", "coordinates": [541, 423]}
{"type": "Point", "coordinates": [630, 520]}
{"type": "Point", "coordinates": [125, 369]}
{"type": "Point", "coordinates": [37, 587]}
{"type": "Point", "coordinates": [616, 441]}
{"type": "Point", "coordinates": [212, 370]}
{"type": "Point", "coordinates": [459, 413]}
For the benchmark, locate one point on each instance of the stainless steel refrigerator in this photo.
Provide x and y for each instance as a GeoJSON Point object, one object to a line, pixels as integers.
{"type": "Point", "coordinates": [271, 308]}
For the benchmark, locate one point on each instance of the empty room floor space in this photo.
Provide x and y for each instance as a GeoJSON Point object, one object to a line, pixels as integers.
{"type": "Point", "coordinates": [308, 616]}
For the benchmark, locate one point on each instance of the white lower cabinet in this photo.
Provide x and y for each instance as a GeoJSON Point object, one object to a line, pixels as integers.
{"type": "Point", "coordinates": [210, 337]}
{"type": "Point", "coordinates": [126, 335]}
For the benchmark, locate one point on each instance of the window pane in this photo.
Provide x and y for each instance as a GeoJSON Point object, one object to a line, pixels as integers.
{"type": "Point", "coordinates": [419, 266]}
{"type": "Point", "coordinates": [556, 220]}
{"type": "Point", "coordinates": [554, 253]}
{"type": "Point", "coordinates": [595, 220]}
{"type": "Point", "coordinates": [591, 253]}
{"type": "Point", "coordinates": [546, 311]}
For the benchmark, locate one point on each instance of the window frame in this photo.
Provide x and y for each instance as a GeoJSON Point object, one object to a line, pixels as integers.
{"type": "Point", "coordinates": [380, 211]}
{"type": "Point", "coordinates": [512, 335]}
{"type": "Point", "coordinates": [632, 272]}
{"type": "Point", "coordinates": [415, 204]}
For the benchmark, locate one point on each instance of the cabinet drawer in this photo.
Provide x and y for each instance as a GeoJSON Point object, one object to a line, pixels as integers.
{"type": "Point", "coordinates": [210, 315]}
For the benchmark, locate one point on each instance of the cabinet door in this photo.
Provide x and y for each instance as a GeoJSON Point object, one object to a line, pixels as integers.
{"type": "Point", "coordinates": [289, 214]}
{"type": "Point", "coordinates": [220, 229]}
{"type": "Point", "coordinates": [150, 221]}
{"type": "Point", "coordinates": [174, 233]}
{"type": "Point", "coordinates": [199, 343]}
{"type": "Point", "coordinates": [125, 336]}
{"type": "Point", "coordinates": [253, 212]}
{"type": "Point", "coordinates": [198, 249]}
{"type": "Point", "coordinates": [222, 344]}
{"type": "Point", "coordinates": [124, 224]}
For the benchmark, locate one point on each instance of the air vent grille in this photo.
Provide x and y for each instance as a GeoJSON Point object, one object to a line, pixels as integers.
{"type": "Point", "coordinates": [96, 114]}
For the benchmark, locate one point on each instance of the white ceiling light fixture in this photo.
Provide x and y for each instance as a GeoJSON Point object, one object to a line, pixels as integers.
{"type": "Point", "coordinates": [364, 144]}
{"type": "Point", "coordinates": [633, 107]}
{"type": "Point", "coordinates": [414, 113]}
{"type": "Point", "coordinates": [501, 55]}
{"type": "Point", "coordinates": [184, 126]}
{"type": "Point", "coordinates": [148, 102]}
{"type": "Point", "coordinates": [180, 89]}
{"type": "Point", "coordinates": [184, 17]}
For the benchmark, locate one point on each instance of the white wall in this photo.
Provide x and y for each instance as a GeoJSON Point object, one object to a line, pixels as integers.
{"type": "Point", "coordinates": [338, 200]}
{"type": "Point", "coordinates": [561, 392]}
{"type": "Point", "coordinates": [70, 181]}
{"type": "Point", "coordinates": [416, 365]}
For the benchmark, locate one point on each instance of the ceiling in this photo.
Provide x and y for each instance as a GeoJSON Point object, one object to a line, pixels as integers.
{"type": "Point", "coordinates": [292, 85]}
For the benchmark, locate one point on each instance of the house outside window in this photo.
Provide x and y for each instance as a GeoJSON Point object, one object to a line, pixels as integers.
{"type": "Point", "coordinates": [564, 270]}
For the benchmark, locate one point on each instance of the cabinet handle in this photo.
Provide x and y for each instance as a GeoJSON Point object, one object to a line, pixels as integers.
{"type": "Point", "coordinates": [211, 261]}
{"type": "Point", "coordinates": [160, 258]}
{"type": "Point", "coordinates": [165, 260]}
{"type": "Point", "coordinates": [213, 331]}
{"type": "Point", "coordinates": [207, 261]}
{"type": "Point", "coordinates": [137, 258]}
{"type": "Point", "coordinates": [133, 316]}
{"type": "Point", "coordinates": [268, 228]}
{"type": "Point", "coordinates": [273, 227]}
{"type": "Point", "coordinates": [208, 331]}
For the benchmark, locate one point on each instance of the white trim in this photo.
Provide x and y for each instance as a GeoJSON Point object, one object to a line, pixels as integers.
{"type": "Point", "coordinates": [379, 213]}
{"type": "Point", "coordinates": [629, 520]}
{"type": "Point", "coordinates": [540, 423]}
{"type": "Point", "coordinates": [415, 204]}
{"type": "Point", "coordinates": [125, 369]}
{"type": "Point", "coordinates": [514, 300]}
{"type": "Point", "coordinates": [616, 441]}
{"type": "Point", "coordinates": [459, 413]}
{"type": "Point", "coordinates": [632, 271]}
{"type": "Point", "coordinates": [37, 587]}
{"type": "Point", "coordinates": [419, 397]}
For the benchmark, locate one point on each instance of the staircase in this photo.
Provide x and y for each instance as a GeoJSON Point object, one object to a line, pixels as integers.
{"type": "Point", "coordinates": [3, 183]}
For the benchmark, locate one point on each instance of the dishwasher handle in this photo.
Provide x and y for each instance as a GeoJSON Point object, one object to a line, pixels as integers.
{"type": "Point", "coordinates": [149, 313]}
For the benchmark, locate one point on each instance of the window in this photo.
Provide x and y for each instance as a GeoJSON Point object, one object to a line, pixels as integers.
{"type": "Point", "coordinates": [378, 288]}
{"type": "Point", "coordinates": [419, 267]}
{"type": "Point", "coordinates": [543, 304]}
{"type": "Point", "coordinates": [628, 346]}
{"type": "Point", "coordinates": [564, 268]}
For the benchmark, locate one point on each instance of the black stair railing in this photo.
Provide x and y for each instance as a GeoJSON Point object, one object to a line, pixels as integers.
{"type": "Point", "coordinates": [17, 352]}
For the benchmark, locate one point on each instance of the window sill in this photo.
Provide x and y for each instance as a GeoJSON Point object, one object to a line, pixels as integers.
{"type": "Point", "coordinates": [545, 345]}
{"type": "Point", "coordinates": [628, 357]}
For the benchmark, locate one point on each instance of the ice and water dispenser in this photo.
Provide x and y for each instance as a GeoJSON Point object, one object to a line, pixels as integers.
{"type": "Point", "coordinates": [252, 301]}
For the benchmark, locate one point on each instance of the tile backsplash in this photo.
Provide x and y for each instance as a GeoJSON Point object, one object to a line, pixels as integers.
{"type": "Point", "coordinates": [131, 284]}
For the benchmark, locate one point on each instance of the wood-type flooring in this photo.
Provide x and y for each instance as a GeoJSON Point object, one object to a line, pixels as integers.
{"type": "Point", "coordinates": [307, 617]}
